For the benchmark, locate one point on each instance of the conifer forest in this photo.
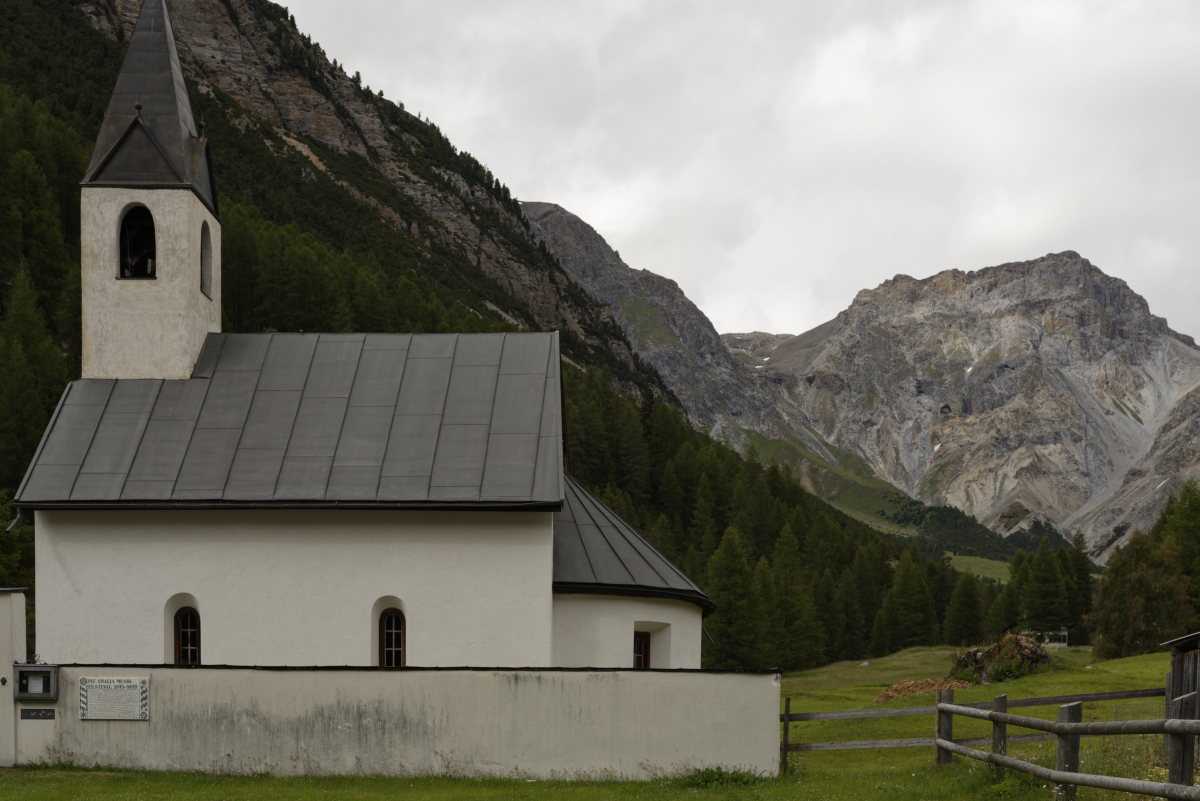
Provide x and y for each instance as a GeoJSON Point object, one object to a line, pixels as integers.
{"type": "Point", "coordinates": [796, 582]}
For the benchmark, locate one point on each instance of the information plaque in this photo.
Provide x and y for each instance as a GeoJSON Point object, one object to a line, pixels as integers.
{"type": "Point", "coordinates": [114, 698]}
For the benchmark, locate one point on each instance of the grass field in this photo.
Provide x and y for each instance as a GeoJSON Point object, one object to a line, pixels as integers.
{"type": "Point", "coordinates": [849, 686]}
{"type": "Point", "coordinates": [986, 568]}
{"type": "Point", "coordinates": [902, 774]}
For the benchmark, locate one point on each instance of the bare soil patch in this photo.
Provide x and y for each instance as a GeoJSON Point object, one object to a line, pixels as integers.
{"type": "Point", "coordinates": [906, 688]}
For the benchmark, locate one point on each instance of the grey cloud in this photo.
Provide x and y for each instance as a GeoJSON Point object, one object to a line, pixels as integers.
{"type": "Point", "coordinates": [776, 157]}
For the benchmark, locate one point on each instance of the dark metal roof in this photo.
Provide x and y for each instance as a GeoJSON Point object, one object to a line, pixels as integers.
{"type": "Point", "coordinates": [158, 146]}
{"type": "Point", "coordinates": [325, 420]}
{"type": "Point", "coordinates": [599, 553]}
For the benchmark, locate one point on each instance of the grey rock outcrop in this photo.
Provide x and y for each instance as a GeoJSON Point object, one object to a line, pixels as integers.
{"type": "Point", "coordinates": [1042, 389]}
{"type": "Point", "coordinates": [665, 328]}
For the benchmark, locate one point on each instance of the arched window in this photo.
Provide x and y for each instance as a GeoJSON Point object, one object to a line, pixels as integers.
{"type": "Point", "coordinates": [187, 636]}
{"type": "Point", "coordinates": [391, 638]}
{"type": "Point", "coordinates": [137, 244]}
{"type": "Point", "coordinates": [205, 261]}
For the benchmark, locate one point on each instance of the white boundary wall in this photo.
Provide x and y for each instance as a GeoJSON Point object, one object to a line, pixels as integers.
{"type": "Point", "coordinates": [535, 723]}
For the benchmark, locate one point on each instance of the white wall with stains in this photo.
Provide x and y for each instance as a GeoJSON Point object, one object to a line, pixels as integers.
{"type": "Point", "coordinates": [540, 723]}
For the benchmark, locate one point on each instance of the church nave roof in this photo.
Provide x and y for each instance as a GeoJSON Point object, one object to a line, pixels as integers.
{"type": "Point", "coordinates": [317, 420]}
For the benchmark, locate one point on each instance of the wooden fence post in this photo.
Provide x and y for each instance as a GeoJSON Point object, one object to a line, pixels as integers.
{"type": "Point", "coordinates": [1181, 748]}
{"type": "Point", "coordinates": [1067, 755]}
{"type": "Point", "coordinates": [944, 726]}
{"type": "Point", "coordinates": [787, 724]}
{"type": "Point", "coordinates": [1000, 730]}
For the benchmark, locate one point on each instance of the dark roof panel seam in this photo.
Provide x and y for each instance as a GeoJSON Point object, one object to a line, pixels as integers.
{"type": "Point", "coordinates": [191, 436]}
{"type": "Point", "coordinates": [583, 543]}
{"type": "Point", "coordinates": [487, 442]}
{"type": "Point", "coordinates": [345, 414]}
{"type": "Point", "coordinates": [42, 444]}
{"type": "Point", "coordinates": [551, 374]}
{"type": "Point", "coordinates": [587, 500]}
{"type": "Point", "coordinates": [92, 440]}
{"type": "Point", "coordinates": [242, 434]}
{"type": "Point", "coordinates": [604, 510]}
{"type": "Point", "coordinates": [141, 438]}
{"type": "Point", "coordinates": [292, 431]}
{"type": "Point", "coordinates": [620, 526]}
{"type": "Point", "coordinates": [441, 417]}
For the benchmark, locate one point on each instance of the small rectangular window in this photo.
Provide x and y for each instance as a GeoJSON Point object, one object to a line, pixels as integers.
{"type": "Point", "coordinates": [641, 649]}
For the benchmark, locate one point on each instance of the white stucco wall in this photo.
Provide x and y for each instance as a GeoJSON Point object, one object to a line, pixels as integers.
{"type": "Point", "coordinates": [597, 631]}
{"type": "Point", "coordinates": [12, 649]}
{"type": "Point", "coordinates": [572, 724]}
{"type": "Point", "coordinates": [295, 587]}
{"type": "Point", "coordinates": [146, 328]}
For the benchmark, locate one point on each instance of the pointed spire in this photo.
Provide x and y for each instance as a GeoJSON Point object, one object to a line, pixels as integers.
{"type": "Point", "coordinates": [158, 145]}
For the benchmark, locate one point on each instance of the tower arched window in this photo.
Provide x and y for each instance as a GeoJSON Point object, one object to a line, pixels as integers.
{"type": "Point", "coordinates": [137, 243]}
{"type": "Point", "coordinates": [205, 261]}
{"type": "Point", "coordinates": [187, 636]}
{"type": "Point", "coordinates": [391, 638]}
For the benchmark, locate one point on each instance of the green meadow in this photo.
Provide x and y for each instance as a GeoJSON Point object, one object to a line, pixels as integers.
{"type": "Point", "coordinates": [900, 774]}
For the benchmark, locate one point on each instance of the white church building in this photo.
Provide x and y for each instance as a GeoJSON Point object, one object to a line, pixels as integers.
{"type": "Point", "coordinates": [280, 499]}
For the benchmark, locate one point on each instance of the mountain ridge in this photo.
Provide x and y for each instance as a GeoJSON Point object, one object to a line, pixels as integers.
{"type": "Point", "coordinates": [1035, 392]}
{"type": "Point", "coordinates": [1014, 391]}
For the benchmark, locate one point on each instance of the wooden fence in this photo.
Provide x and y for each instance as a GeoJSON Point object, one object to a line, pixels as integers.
{"type": "Point", "coordinates": [1180, 729]}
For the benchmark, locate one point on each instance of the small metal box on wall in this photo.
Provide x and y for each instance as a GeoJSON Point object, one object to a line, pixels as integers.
{"type": "Point", "coordinates": [35, 682]}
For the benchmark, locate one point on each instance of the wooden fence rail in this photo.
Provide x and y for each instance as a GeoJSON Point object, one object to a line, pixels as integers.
{"type": "Point", "coordinates": [999, 739]}
{"type": "Point", "coordinates": [1180, 727]}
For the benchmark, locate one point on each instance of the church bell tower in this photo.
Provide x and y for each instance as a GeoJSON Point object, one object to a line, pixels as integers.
{"type": "Point", "coordinates": [151, 249]}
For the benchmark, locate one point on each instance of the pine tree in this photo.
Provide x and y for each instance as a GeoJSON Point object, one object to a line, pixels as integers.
{"type": "Point", "coordinates": [801, 644]}
{"type": "Point", "coordinates": [662, 537]}
{"type": "Point", "coordinates": [964, 617]}
{"type": "Point", "coordinates": [705, 527]}
{"type": "Point", "coordinates": [670, 494]}
{"type": "Point", "coordinates": [1081, 572]}
{"type": "Point", "coordinates": [1044, 603]}
{"type": "Point", "coordinates": [907, 617]}
{"type": "Point", "coordinates": [34, 375]}
{"type": "Point", "coordinates": [854, 636]}
{"type": "Point", "coordinates": [772, 642]}
{"type": "Point", "coordinates": [830, 615]}
{"type": "Point", "coordinates": [735, 625]}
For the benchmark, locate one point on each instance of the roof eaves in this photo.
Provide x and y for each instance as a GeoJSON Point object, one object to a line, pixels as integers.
{"type": "Point", "coordinates": [430, 506]}
{"type": "Point", "coordinates": [636, 591]}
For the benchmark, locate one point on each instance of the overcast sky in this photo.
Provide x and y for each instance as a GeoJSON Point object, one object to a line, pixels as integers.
{"type": "Point", "coordinates": [775, 158]}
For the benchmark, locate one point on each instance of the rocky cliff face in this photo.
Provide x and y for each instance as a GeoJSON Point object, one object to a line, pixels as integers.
{"type": "Point", "coordinates": [664, 327]}
{"type": "Point", "coordinates": [1035, 389]}
{"type": "Point", "coordinates": [251, 51]}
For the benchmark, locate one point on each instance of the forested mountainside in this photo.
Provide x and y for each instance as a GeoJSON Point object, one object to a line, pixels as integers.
{"type": "Point", "coordinates": [305, 144]}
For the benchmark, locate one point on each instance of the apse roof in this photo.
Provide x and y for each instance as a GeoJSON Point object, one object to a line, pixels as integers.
{"type": "Point", "coordinates": [149, 138]}
{"type": "Point", "coordinates": [597, 552]}
{"type": "Point", "coordinates": [316, 420]}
